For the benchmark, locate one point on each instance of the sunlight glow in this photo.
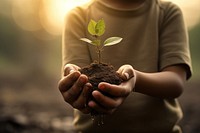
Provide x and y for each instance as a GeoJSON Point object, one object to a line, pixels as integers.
{"type": "Point", "coordinates": [55, 10]}
{"type": "Point", "coordinates": [34, 15]}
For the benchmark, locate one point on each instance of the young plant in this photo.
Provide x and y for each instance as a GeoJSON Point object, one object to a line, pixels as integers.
{"type": "Point", "coordinates": [97, 29]}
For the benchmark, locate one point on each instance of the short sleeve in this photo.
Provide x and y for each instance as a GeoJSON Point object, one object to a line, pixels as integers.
{"type": "Point", "coordinates": [73, 50]}
{"type": "Point", "coordinates": [173, 46]}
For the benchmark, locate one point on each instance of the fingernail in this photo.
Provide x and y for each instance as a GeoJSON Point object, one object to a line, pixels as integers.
{"type": "Point", "coordinates": [71, 71]}
{"type": "Point", "coordinates": [126, 75]}
{"type": "Point", "coordinates": [102, 87]}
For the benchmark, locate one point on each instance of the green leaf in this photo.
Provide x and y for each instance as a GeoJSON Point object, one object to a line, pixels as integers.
{"type": "Point", "coordinates": [86, 40]}
{"type": "Point", "coordinates": [94, 42]}
{"type": "Point", "coordinates": [92, 27]}
{"type": "Point", "coordinates": [100, 27]}
{"type": "Point", "coordinates": [112, 41]}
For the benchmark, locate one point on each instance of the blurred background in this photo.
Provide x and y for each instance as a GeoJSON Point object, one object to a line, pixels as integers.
{"type": "Point", "coordinates": [30, 66]}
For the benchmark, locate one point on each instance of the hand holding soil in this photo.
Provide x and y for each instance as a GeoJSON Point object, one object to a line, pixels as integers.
{"type": "Point", "coordinates": [75, 88]}
{"type": "Point", "coordinates": [109, 97]}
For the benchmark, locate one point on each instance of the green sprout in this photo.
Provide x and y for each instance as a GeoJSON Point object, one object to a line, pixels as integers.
{"type": "Point", "coordinates": [97, 29]}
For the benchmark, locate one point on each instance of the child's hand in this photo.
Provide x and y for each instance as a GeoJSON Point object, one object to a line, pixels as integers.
{"type": "Point", "coordinates": [75, 88]}
{"type": "Point", "coordinates": [107, 105]}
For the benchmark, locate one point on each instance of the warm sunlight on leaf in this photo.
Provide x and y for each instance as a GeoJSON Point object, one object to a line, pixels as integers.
{"type": "Point", "coordinates": [112, 41]}
{"type": "Point", "coordinates": [86, 40]}
{"type": "Point", "coordinates": [91, 27]}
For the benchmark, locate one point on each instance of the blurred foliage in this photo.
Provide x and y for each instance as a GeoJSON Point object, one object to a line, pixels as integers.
{"type": "Point", "coordinates": [28, 56]}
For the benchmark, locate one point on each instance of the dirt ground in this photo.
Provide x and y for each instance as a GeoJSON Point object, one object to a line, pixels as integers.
{"type": "Point", "coordinates": [27, 108]}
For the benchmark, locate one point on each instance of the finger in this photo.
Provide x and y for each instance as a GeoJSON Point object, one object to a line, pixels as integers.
{"type": "Point", "coordinates": [82, 100]}
{"type": "Point", "coordinates": [99, 109]}
{"type": "Point", "coordinates": [82, 103]}
{"type": "Point", "coordinates": [126, 71]}
{"type": "Point", "coordinates": [127, 74]}
{"type": "Point", "coordinates": [105, 101]}
{"type": "Point", "coordinates": [68, 68]}
{"type": "Point", "coordinates": [66, 82]}
{"type": "Point", "coordinates": [73, 93]}
{"type": "Point", "coordinates": [87, 90]}
{"type": "Point", "coordinates": [115, 90]}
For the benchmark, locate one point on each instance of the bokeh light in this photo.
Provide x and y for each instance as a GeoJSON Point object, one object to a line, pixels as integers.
{"type": "Point", "coordinates": [32, 15]}
{"type": "Point", "coordinates": [55, 10]}
{"type": "Point", "coordinates": [25, 14]}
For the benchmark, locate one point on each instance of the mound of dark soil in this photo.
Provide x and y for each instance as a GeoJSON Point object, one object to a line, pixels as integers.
{"type": "Point", "coordinates": [101, 72]}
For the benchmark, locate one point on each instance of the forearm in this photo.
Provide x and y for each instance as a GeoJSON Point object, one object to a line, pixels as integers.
{"type": "Point", "coordinates": [164, 84]}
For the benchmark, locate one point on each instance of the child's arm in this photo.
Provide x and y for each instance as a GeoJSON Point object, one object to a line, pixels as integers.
{"type": "Point", "coordinates": [166, 84]}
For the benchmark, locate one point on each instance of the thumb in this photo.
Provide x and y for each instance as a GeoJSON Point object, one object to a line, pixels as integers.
{"type": "Point", "coordinates": [69, 68]}
{"type": "Point", "coordinates": [127, 72]}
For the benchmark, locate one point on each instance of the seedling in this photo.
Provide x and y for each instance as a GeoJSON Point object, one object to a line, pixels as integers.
{"type": "Point", "coordinates": [100, 72]}
{"type": "Point", "coordinates": [96, 30]}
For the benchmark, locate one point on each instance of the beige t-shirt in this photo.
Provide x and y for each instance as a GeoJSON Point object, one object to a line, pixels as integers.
{"type": "Point", "coordinates": [154, 37]}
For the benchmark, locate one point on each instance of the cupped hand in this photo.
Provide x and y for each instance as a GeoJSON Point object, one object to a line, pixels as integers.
{"type": "Point", "coordinates": [105, 104]}
{"type": "Point", "coordinates": [75, 88]}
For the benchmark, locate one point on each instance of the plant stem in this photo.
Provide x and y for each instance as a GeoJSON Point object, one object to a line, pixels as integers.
{"type": "Point", "coordinates": [98, 50]}
{"type": "Point", "coordinates": [99, 55]}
